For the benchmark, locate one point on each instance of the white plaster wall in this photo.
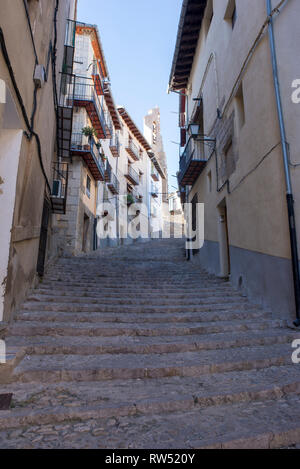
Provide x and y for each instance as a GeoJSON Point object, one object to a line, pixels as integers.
{"type": "Point", "coordinates": [10, 145]}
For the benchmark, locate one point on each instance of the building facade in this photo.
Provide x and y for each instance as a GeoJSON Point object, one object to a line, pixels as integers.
{"type": "Point", "coordinates": [110, 158]}
{"type": "Point", "coordinates": [232, 147]}
{"type": "Point", "coordinates": [30, 66]}
{"type": "Point", "coordinates": [160, 190]}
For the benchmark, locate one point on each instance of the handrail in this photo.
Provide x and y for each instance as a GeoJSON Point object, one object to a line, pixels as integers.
{"type": "Point", "coordinates": [191, 153]}
{"type": "Point", "coordinates": [133, 148]}
{"type": "Point", "coordinates": [87, 92]}
{"type": "Point", "coordinates": [133, 174]}
{"type": "Point", "coordinates": [112, 178]}
{"type": "Point", "coordinates": [80, 142]}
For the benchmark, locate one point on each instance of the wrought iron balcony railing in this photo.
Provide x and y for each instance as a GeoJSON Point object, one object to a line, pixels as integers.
{"type": "Point", "coordinates": [133, 150]}
{"type": "Point", "coordinates": [154, 173]}
{"type": "Point", "coordinates": [111, 179]}
{"type": "Point", "coordinates": [60, 187]}
{"type": "Point", "coordinates": [132, 176]}
{"type": "Point", "coordinates": [87, 148]}
{"type": "Point", "coordinates": [154, 190]}
{"type": "Point", "coordinates": [115, 145]}
{"type": "Point", "coordinates": [191, 163]}
{"type": "Point", "coordinates": [85, 95]}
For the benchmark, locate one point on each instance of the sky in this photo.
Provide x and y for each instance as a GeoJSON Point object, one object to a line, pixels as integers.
{"type": "Point", "coordinates": [138, 38]}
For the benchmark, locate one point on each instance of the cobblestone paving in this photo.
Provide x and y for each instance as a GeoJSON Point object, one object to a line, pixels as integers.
{"type": "Point", "coordinates": [136, 348]}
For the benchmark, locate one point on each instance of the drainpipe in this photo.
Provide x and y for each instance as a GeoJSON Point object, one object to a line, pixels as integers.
{"type": "Point", "coordinates": [289, 192]}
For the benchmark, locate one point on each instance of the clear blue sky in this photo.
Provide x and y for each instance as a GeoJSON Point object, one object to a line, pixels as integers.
{"type": "Point", "coordinates": [138, 38]}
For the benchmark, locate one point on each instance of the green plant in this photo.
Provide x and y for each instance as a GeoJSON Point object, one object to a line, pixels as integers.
{"type": "Point", "coordinates": [130, 199]}
{"type": "Point", "coordinates": [88, 131]}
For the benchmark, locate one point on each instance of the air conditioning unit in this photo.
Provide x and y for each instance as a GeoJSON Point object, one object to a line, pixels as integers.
{"type": "Point", "coordinates": [56, 188]}
{"type": "Point", "coordinates": [39, 76]}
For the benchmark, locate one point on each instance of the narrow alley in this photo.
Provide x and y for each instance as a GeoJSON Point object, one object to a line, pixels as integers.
{"type": "Point", "coordinates": [134, 347]}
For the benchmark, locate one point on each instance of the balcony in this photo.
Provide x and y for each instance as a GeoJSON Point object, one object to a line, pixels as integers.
{"type": "Point", "coordinates": [109, 125]}
{"type": "Point", "coordinates": [154, 173]}
{"type": "Point", "coordinates": [133, 150]}
{"type": "Point", "coordinates": [112, 180]}
{"type": "Point", "coordinates": [154, 191]}
{"type": "Point", "coordinates": [85, 95]}
{"type": "Point", "coordinates": [59, 187]}
{"type": "Point", "coordinates": [65, 114]}
{"type": "Point", "coordinates": [192, 163]}
{"type": "Point", "coordinates": [114, 146]}
{"type": "Point", "coordinates": [132, 176]}
{"type": "Point", "coordinates": [97, 80]}
{"type": "Point", "coordinates": [133, 197]}
{"type": "Point", "coordinates": [87, 148]}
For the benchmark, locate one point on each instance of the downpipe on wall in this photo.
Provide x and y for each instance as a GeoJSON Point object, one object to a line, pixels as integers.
{"type": "Point", "coordinates": [284, 144]}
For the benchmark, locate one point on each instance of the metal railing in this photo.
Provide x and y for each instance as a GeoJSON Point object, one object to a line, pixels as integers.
{"type": "Point", "coordinates": [82, 143]}
{"type": "Point", "coordinates": [111, 178]}
{"type": "Point", "coordinates": [154, 172]}
{"type": "Point", "coordinates": [115, 142]}
{"type": "Point", "coordinates": [132, 146]}
{"type": "Point", "coordinates": [133, 174]}
{"type": "Point", "coordinates": [67, 89]}
{"type": "Point", "coordinates": [133, 197]}
{"type": "Point", "coordinates": [60, 187]}
{"type": "Point", "coordinates": [86, 92]}
{"type": "Point", "coordinates": [154, 190]}
{"type": "Point", "coordinates": [192, 152]}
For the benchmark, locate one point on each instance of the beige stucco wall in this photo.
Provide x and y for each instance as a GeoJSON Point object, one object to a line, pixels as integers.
{"type": "Point", "coordinates": [257, 211]}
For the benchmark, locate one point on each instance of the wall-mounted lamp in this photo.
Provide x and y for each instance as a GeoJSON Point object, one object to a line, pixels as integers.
{"type": "Point", "coordinates": [193, 130]}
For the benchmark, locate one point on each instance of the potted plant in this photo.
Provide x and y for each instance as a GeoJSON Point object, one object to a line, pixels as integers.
{"type": "Point", "coordinates": [130, 199]}
{"type": "Point", "coordinates": [88, 131]}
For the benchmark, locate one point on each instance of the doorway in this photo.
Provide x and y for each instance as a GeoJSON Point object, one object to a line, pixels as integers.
{"type": "Point", "coordinates": [86, 224]}
{"type": "Point", "coordinates": [43, 238]}
{"type": "Point", "coordinates": [224, 240]}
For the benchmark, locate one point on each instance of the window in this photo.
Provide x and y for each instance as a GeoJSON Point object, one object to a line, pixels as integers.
{"type": "Point", "coordinates": [240, 107]}
{"type": "Point", "coordinates": [88, 187]}
{"type": "Point", "coordinates": [231, 13]}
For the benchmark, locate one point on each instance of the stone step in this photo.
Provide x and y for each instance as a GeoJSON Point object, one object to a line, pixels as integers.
{"type": "Point", "coordinates": [259, 425]}
{"type": "Point", "coordinates": [135, 292]}
{"type": "Point", "coordinates": [131, 318]}
{"type": "Point", "coordinates": [56, 403]}
{"type": "Point", "coordinates": [132, 291]}
{"type": "Point", "coordinates": [86, 345]}
{"type": "Point", "coordinates": [31, 328]}
{"type": "Point", "coordinates": [66, 295]}
{"type": "Point", "coordinates": [94, 308]}
{"type": "Point", "coordinates": [57, 368]}
{"type": "Point", "coordinates": [154, 301]}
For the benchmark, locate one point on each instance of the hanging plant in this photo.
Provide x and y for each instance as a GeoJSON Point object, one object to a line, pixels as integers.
{"type": "Point", "coordinates": [88, 131]}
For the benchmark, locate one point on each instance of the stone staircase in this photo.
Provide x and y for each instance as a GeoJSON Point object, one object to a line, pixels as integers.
{"type": "Point", "coordinates": [134, 347]}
